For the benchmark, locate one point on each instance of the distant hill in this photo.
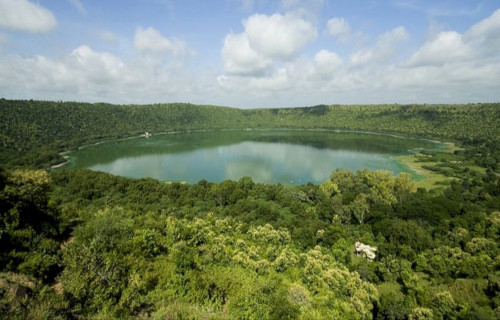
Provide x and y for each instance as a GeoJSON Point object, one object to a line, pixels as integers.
{"type": "Point", "coordinates": [33, 133]}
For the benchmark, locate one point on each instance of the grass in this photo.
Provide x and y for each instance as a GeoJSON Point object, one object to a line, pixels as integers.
{"type": "Point", "coordinates": [451, 147]}
{"type": "Point", "coordinates": [424, 178]}
{"type": "Point", "coordinates": [447, 165]}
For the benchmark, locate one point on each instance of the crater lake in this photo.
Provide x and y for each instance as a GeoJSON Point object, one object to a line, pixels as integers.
{"type": "Point", "coordinates": [290, 157]}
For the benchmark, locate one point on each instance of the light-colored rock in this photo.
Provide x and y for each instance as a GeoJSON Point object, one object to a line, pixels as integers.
{"type": "Point", "coordinates": [365, 250]}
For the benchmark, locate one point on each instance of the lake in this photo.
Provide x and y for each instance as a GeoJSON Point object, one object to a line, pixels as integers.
{"type": "Point", "coordinates": [268, 156]}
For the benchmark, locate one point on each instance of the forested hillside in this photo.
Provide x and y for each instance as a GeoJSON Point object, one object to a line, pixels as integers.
{"type": "Point", "coordinates": [78, 244]}
{"type": "Point", "coordinates": [32, 133]}
{"type": "Point", "coordinates": [83, 244]}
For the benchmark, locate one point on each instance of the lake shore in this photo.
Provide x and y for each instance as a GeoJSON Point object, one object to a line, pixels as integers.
{"type": "Point", "coordinates": [265, 155]}
{"type": "Point", "coordinates": [429, 179]}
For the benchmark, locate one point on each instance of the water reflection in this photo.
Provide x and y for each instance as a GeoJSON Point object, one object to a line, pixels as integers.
{"type": "Point", "coordinates": [289, 157]}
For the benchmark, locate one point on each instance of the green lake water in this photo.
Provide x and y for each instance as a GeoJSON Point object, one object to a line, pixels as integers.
{"type": "Point", "coordinates": [268, 156]}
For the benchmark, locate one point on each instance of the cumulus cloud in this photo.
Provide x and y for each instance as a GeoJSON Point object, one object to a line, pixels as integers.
{"type": "Point", "coordinates": [384, 48]}
{"type": "Point", "coordinates": [152, 41]}
{"type": "Point", "coordinates": [266, 65]}
{"type": "Point", "coordinates": [263, 86]}
{"type": "Point", "coordinates": [83, 72]}
{"type": "Point", "coordinates": [437, 71]}
{"type": "Point", "coordinates": [264, 40]}
{"type": "Point", "coordinates": [447, 47]}
{"type": "Point", "coordinates": [91, 75]}
{"type": "Point", "coordinates": [26, 16]}
{"type": "Point", "coordinates": [487, 27]}
{"type": "Point", "coordinates": [240, 58]}
{"type": "Point", "coordinates": [97, 67]}
{"type": "Point", "coordinates": [278, 36]}
{"type": "Point", "coordinates": [338, 28]}
{"type": "Point", "coordinates": [326, 63]}
{"type": "Point", "coordinates": [485, 34]}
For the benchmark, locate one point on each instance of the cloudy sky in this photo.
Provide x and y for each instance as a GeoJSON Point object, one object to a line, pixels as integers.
{"type": "Point", "coordinates": [251, 53]}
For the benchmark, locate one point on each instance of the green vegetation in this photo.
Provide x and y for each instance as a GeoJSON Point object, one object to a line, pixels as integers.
{"type": "Point", "coordinates": [33, 133]}
{"type": "Point", "coordinates": [427, 179]}
{"type": "Point", "coordinates": [78, 244]}
{"type": "Point", "coordinates": [141, 248]}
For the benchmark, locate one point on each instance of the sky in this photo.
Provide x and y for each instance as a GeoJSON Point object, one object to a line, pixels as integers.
{"type": "Point", "coordinates": [251, 53]}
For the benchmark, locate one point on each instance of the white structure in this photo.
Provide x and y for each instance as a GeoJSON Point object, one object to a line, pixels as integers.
{"type": "Point", "coordinates": [365, 250]}
{"type": "Point", "coordinates": [147, 134]}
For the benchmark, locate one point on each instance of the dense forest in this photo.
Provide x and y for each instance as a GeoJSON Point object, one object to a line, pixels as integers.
{"type": "Point", "coordinates": [33, 133]}
{"type": "Point", "coordinates": [78, 244]}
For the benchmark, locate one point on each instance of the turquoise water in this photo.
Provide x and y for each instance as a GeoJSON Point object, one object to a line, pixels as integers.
{"type": "Point", "coordinates": [288, 157]}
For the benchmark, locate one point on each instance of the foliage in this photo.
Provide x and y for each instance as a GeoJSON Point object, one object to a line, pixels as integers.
{"type": "Point", "coordinates": [141, 248]}
{"type": "Point", "coordinates": [29, 231]}
{"type": "Point", "coordinates": [33, 133]}
{"type": "Point", "coordinates": [79, 244]}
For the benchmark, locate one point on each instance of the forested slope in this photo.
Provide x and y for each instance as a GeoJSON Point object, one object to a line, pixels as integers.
{"type": "Point", "coordinates": [34, 132]}
{"type": "Point", "coordinates": [85, 244]}
{"type": "Point", "coordinates": [78, 244]}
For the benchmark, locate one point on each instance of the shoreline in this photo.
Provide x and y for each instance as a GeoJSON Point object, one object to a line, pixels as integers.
{"type": "Point", "coordinates": [407, 160]}
{"type": "Point", "coordinates": [59, 165]}
{"type": "Point", "coordinates": [430, 179]}
{"type": "Point", "coordinates": [62, 164]}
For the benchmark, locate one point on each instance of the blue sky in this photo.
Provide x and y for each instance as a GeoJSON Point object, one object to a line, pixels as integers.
{"type": "Point", "coordinates": [251, 53]}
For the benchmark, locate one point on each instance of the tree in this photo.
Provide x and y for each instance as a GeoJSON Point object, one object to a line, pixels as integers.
{"type": "Point", "coordinates": [28, 227]}
{"type": "Point", "coordinates": [96, 267]}
{"type": "Point", "coordinates": [329, 188]}
{"type": "Point", "coordinates": [403, 187]}
{"type": "Point", "coordinates": [359, 207]}
{"type": "Point", "coordinates": [421, 314]}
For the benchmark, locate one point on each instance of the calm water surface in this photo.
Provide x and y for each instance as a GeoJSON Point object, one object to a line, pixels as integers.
{"type": "Point", "coordinates": [289, 157]}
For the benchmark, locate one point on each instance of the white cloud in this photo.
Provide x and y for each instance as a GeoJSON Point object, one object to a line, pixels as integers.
{"type": "Point", "coordinates": [83, 73]}
{"type": "Point", "coordinates": [26, 16]}
{"type": "Point", "coordinates": [268, 64]}
{"type": "Point", "coordinates": [327, 59]}
{"type": "Point", "coordinates": [239, 58]}
{"type": "Point", "coordinates": [152, 41]}
{"type": "Point", "coordinates": [385, 72]}
{"type": "Point", "coordinates": [437, 72]}
{"type": "Point", "coordinates": [265, 39]}
{"type": "Point", "coordinates": [96, 67]}
{"type": "Point", "coordinates": [487, 27]}
{"type": "Point", "coordinates": [79, 6]}
{"type": "Point", "coordinates": [384, 49]}
{"type": "Point", "coordinates": [485, 34]}
{"type": "Point", "coordinates": [89, 75]}
{"type": "Point", "coordinates": [326, 63]}
{"type": "Point", "coordinates": [445, 48]}
{"type": "Point", "coordinates": [480, 41]}
{"type": "Point", "coordinates": [338, 27]}
{"type": "Point", "coordinates": [278, 36]}
{"type": "Point", "coordinates": [260, 86]}
{"type": "Point", "coordinates": [398, 34]}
